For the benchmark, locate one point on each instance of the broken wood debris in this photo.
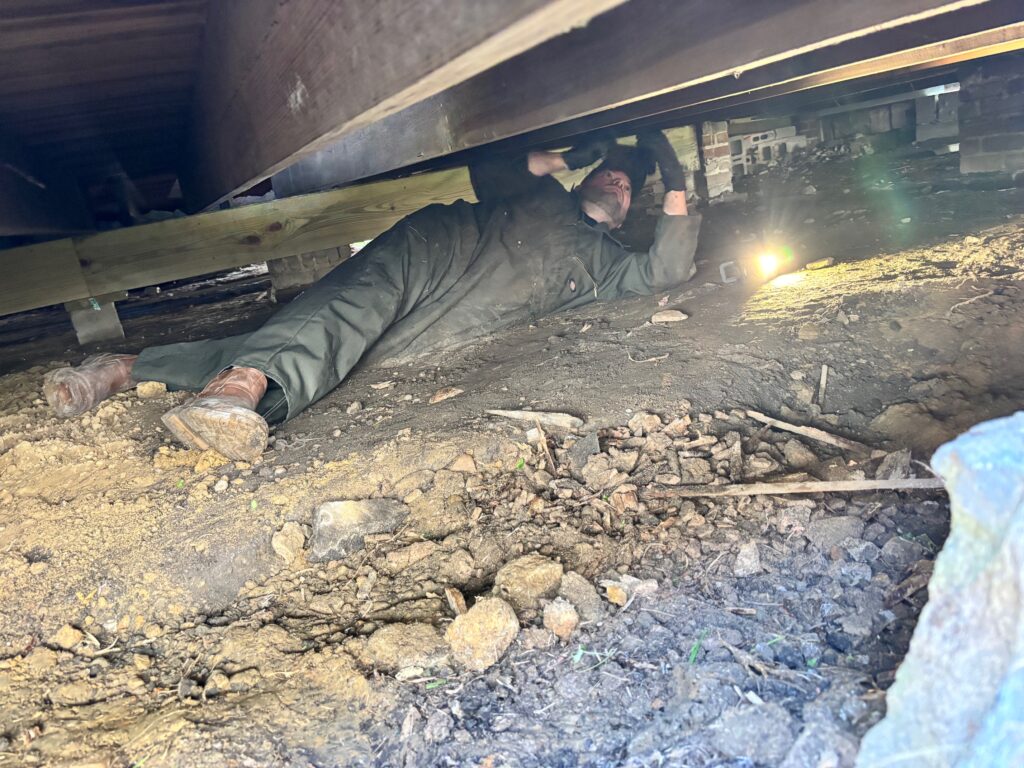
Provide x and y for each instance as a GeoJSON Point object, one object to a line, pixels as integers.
{"type": "Point", "coordinates": [810, 486]}
{"type": "Point", "coordinates": [812, 432]}
{"type": "Point", "coordinates": [550, 419]}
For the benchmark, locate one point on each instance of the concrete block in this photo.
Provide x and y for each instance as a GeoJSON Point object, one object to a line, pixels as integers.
{"type": "Point", "coordinates": [293, 273]}
{"type": "Point", "coordinates": [95, 321]}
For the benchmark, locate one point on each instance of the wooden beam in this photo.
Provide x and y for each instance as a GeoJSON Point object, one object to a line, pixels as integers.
{"type": "Point", "coordinates": [280, 79]}
{"type": "Point", "coordinates": [35, 199]}
{"type": "Point", "coordinates": [122, 259]}
{"type": "Point", "coordinates": [643, 55]}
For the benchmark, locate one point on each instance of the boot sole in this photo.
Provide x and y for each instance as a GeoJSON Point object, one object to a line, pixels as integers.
{"type": "Point", "coordinates": [232, 431]}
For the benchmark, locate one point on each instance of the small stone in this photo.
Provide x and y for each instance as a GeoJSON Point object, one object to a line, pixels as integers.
{"type": "Point", "coordinates": [480, 636]}
{"type": "Point", "coordinates": [829, 532]}
{"type": "Point", "coordinates": [141, 661]}
{"type": "Point", "coordinates": [38, 568]}
{"type": "Point", "coordinates": [339, 526]}
{"type": "Point", "coordinates": [624, 499]}
{"type": "Point", "coordinates": [669, 316]}
{"type": "Point", "coordinates": [579, 453]}
{"type": "Point", "coordinates": [761, 734]}
{"type": "Point", "coordinates": [644, 423]}
{"type": "Point", "coordinates": [525, 581]}
{"type": "Point", "coordinates": [66, 638]}
{"type": "Point", "coordinates": [748, 560]}
{"type": "Point", "coordinates": [808, 332]}
{"type": "Point", "coordinates": [150, 389]}
{"type": "Point", "coordinates": [798, 455]}
{"type": "Point", "coordinates": [627, 588]}
{"type": "Point", "coordinates": [583, 595]}
{"type": "Point", "coordinates": [537, 638]}
{"type": "Point", "coordinates": [797, 375]}
{"type": "Point", "coordinates": [217, 684]}
{"type": "Point", "coordinates": [289, 541]}
{"type": "Point", "coordinates": [895, 466]}
{"type": "Point", "coordinates": [336, 433]}
{"type": "Point", "coordinates": [561, 618]}
{"type": "Point", "coordinates": [902, 553]}
{"type": "Point", "coordinates": [221, 485]}
{"type": "Point", "coordinates": [445, 393]}
{"type": "Point", "coordinates": [464, 463]}
{"type": "Point", "coordinates": [397, 646]}
{"type": "Point", "coordinates": [616, 594]}
{"type": "Point", "coordinates": [695, 471]}
{"type": "Point", "coordinates": [354, 407]}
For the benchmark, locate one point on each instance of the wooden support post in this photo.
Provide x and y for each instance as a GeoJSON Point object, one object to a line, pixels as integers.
{"type": "Point", "coordinates": [95, 320]}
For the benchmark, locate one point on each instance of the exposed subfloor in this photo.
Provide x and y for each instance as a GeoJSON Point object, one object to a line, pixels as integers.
{"type": "Point", "coordinates": [766, 629]}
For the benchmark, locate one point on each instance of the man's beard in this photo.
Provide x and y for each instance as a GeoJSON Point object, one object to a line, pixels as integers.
{"type": "Point", "coordinates": [607, 201]}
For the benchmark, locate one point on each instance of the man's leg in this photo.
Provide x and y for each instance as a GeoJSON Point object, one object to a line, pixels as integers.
{"type": "Point", "coordinates": [310, 345]}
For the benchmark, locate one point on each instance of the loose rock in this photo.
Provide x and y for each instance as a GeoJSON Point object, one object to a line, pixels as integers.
{"type": "Point", "coordinates": [66, 638]}
{"type": "Point", "coordinates": [150, 389]}
{"type": "Point", "coordinates": [527, 580]}
{"type": "Point", "coordinates": [289, 541]}
{"type": "Point", "coordinates": [748, 560]}
{"type": "Point", "coordinates": [583, 595]}
{"type": "Point", "coordinates": [830, 531]}
{"type": "Point", "coordinates": [339, 526]}
{"type": "Point", "coordinates": [398, 646]}
{"type": "Point", "coordinates": [669, 316]}
{"type": "Point", "coordinates": [479, 637]}
{"type": "Point", "coordinates": [561, 618]}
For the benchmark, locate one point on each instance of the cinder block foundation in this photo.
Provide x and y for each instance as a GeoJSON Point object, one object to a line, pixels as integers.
{"type": "Point", "coordinates": [291, 274]}
{"type": "Point", "coordinates": [991, 115]}
{"type": "Point", "coordinates": [716, 157]}
{"type": "Point", "coordinates": [95, 320]}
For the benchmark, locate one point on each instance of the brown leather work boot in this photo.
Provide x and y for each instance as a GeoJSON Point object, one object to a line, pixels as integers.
{"type": "Point", "coordinates": [73, 391]}
{"type": "Point", "coordinates": [223, 416]}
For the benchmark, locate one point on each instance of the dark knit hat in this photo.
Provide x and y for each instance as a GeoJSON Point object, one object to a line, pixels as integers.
{"type": "Point", "coordinates": [636, 162]}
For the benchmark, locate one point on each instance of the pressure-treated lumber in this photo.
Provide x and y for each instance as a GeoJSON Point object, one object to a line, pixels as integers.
{"type": "Point", "coordinates": [280, 79]}
{"type": "Point", "coordinates": [644, 49]}
{"type": "Point", "coordinates": [784, 489]}
{"type": "Point", "coordinates": [81, 267]}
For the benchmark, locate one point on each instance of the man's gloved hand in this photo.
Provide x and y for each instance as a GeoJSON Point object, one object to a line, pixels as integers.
{"type": "Point", "coordinates": [589, 151]}
{"type": "Point", "coordinates": [672, 174]}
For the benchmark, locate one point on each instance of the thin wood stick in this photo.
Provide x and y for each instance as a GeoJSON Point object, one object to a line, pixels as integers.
{"type": "Point", "coordinates": [810, 486]}
{"type": "Point", "coordinates": [822, 383]}
{"type": "Point", "coordinates": [812, 432]}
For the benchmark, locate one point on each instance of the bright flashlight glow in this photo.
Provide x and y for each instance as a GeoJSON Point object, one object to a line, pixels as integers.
{"type": "Point", "coordinates": [768, 263]}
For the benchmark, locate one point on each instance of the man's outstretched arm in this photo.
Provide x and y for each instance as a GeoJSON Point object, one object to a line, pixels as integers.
{"type": "Point", "coordinates": [669, 261]}
{"type": "Point", "coordinates": [505, 178]}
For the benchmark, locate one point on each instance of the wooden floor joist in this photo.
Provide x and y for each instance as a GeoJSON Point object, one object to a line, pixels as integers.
{"type": "Point", "coordinates": [282, 79]}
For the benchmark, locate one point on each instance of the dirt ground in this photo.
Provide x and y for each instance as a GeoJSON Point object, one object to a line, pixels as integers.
{"type": "Point", "coordinates": [149, 619]}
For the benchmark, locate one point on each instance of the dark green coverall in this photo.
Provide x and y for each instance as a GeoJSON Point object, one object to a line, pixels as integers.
{"type": "Point", "coordinates": [441, 276]}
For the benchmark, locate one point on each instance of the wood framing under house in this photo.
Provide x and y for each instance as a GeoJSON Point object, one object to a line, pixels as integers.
{"type": "Point", "coordinates": [282, 79]}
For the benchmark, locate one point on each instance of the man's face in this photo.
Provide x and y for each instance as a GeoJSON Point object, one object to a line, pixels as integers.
{"type": "Point", "coordinates": [609, 192]}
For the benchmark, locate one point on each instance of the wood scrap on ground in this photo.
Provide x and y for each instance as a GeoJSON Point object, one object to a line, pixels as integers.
{"type": "Point", "coordinates": [549, 419]}
{"type": "Point", "coordinates": [810, 486]}
{"type": "Point", "coordinates": [812, 432]}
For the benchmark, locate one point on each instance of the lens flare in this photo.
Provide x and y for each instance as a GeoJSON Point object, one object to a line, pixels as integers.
{"type": "Point", "coordinates": [768, 264]}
